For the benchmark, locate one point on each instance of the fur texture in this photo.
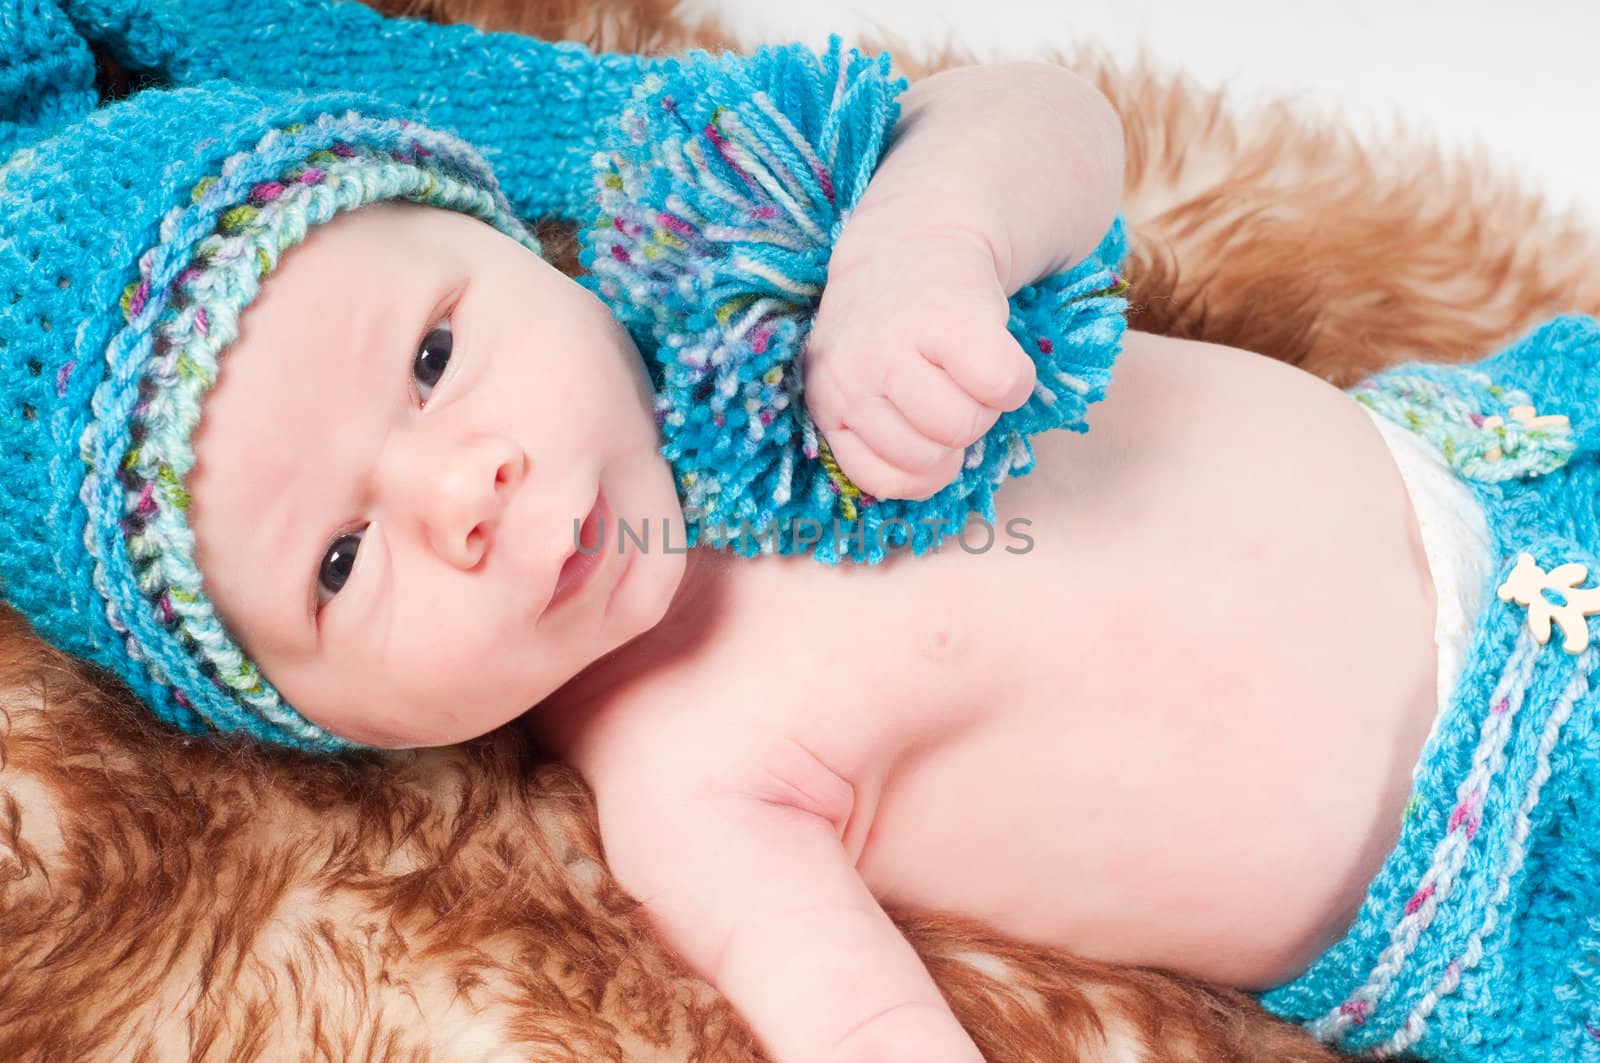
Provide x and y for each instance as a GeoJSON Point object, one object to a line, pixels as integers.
{"type": "Point", "coordinates": [167, 898]}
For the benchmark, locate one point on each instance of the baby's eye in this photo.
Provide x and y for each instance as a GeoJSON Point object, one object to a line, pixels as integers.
{"type": "Point", "coordinates": [336, 566]}
{"type": "Point", "coordinates": [433, 358]}
{"type": "Point", "coordinates": [433, 355]}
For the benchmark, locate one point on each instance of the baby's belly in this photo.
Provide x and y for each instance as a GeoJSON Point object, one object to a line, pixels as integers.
{"type": "Point", "coordinates": [1199, 694]}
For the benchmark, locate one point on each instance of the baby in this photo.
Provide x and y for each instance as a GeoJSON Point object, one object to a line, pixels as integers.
{"type": "Point", "coordinates": [421, 420]}
{"type": "Point", "coordinates": [1173, 707]}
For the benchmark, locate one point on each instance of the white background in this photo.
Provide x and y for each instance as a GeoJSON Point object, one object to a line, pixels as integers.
{"type": "Point", "coordinates": [1521, 81]}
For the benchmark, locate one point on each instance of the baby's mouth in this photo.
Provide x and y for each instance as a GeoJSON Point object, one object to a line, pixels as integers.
{"type": "Point", "coordinates": [587, 555]}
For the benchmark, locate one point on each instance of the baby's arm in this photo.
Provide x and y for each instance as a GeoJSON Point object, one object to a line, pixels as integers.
{"type": "Point", "coordinates": [1025, 158]}
{"type": "Point", "coordinates": [752, 886]}
{"type": "Point", "coordinates": [996, 177]}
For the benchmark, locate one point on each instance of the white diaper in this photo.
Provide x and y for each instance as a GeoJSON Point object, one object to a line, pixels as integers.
{"type": "Point", "coordinates": [1455, 537]}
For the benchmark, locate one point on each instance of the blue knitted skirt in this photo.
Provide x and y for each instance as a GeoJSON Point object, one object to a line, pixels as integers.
{"type": "Point", "coordinates": [1479, 940]}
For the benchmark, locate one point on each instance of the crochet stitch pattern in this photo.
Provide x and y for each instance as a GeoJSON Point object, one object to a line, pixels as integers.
{"type": "Point", "coordinates": [132, 237]}
{"type": "Point", "coordinates": [534, 109]}
{"type": "Point", "coordinates": [1482, 448]}
{"type": "Point", "coordinates": [1479, 941]}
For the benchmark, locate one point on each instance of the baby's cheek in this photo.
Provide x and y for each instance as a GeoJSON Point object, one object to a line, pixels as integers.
{"type": "Point", "coordinates": [619, 420]}
{"type": "Point", "coordinates": [487, 675]}
{"type": "Point", "coordinates": [403, 713]}
{"type": "Point", "coordinates": [348, 702]}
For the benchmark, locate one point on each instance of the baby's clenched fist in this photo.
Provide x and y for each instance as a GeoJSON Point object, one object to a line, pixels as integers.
{"type": "Point", "coordinates": [909, 361]}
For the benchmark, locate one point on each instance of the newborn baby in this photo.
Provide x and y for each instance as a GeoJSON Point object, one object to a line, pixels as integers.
{"type": "Point", "coordinates": [1268, 683]}
{"type": "Point", "coordinates": [428, 495]}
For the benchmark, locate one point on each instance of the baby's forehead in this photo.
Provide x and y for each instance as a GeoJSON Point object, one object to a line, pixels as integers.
{"type": "Point", "coordinates": [359, 264]}
{"type": "Point", "coordinates": [328, 334]}
{"type": "Point", "coordinates": [396, 221]}
{"type": "Point", "coordinates": [377, 239]}
{"type": "Point", "coordinates": [321, 346]}
{"type": "Point", "coordinates": [369, 232]}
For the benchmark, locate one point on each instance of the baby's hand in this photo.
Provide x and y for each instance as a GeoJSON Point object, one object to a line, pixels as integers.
{"type": "Point", "coordinates": [909, 360]}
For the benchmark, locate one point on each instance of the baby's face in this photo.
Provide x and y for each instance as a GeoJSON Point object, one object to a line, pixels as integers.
{"type": "Point", "coordinates": [389, 469]}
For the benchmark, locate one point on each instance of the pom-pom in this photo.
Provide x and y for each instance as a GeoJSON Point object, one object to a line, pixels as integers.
{"type": "Point", "coordinates": [721, 192]}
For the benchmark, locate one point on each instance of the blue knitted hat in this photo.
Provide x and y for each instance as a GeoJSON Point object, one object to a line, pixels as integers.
{"type": "Point", "coordinates": [132, 235]}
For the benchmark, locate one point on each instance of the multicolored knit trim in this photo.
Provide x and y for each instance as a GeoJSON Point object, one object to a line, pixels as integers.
{"type": "Point", "coordinates": [1444, 411]}
{"type": "Point", "coordinates": [181, 313]}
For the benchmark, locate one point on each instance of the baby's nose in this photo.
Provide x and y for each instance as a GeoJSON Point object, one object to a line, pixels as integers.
{"type": "Point", "coordinates": [462, 492]}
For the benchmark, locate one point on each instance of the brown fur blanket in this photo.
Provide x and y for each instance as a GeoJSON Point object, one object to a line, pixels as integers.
{"type": "Point", "coordinates": [164, 898]}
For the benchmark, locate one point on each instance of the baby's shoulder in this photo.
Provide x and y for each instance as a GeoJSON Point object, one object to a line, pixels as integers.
{"type": "Point", "coordinates": [793, 738]}
{"type": "Point", "coordinates": [709, 724]}
{"type": "Point", "coordinates": [810, 672]}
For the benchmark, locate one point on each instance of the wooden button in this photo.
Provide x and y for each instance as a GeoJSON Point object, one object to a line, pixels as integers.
{"type": "Point", "coordinates": [1526, 586]}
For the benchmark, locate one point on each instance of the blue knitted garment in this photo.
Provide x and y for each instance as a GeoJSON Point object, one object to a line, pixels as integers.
{"type": "Point", "coordinates": [131, 237]}
{"type": "Point", "coordinates": [533, 109]}
{"type": "Point", "coordinates": [1480, 938]}
{"type": "Point", "coordinates": [160, 215]}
